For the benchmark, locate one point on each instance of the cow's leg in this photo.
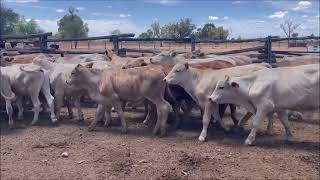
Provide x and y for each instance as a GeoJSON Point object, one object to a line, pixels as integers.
{"type": "Point", "coordinates": [67, 102]}
{"type": "Point", "coordinates": [233, 110]}
{"type": "Point", "coordinates": [107, 116]}
{"type": "Point", "coordinates": [243, 121]}
{"type": "Point", "coordinates": [148, 111]}
{"type": "Point", "coordinates": [146, 108]}
{"type": "Point", "coordinates": [187, 106]}
{"type": "Point", "coordinates": [9, 112]}
{"type": "Point", "coordinates": [257, 118]}
{"type": "Point", "coordinates": [205, 122]}
{"type": "Point", "coordinates": [270, 123]}
{"type": "Point", "coordinates": [176, 109]}
{"type": "Point", "coordinates": [99, 115]}
{"type": "Point", "coordinates": [163, 108]}
{"type": "Point", "coordinates": [36, 107]}
{"type": "Point", "coordinates": [50, 100]}
{"type": "Point", "coordinates": [118, 108]}
{"type": "Point", "coordinates": [78, 106]}
{"type": "Point", "coordinates": [217, 117]}
{"type": "Point", "coordinates": [20, 108]}
{"type": "Point", "coordinates": [58, 98]}
{"type": "Point", "coordinates": [283, 116]}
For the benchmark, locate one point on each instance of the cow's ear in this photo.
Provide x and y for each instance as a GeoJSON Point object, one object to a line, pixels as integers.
{"type": "Point", "coordinates": [173, 54]}
{"type": "Point", "coordinates": [78, 67]}
{"type": "Point", "coordinates": [235, 85]}
{"type": "Point", "coordinates": [226, 78]}
{"type": "Point", "coordinates": [89, 65]}
{"type": "Point", "coordinates": [186, 65]}
{"type": "Point", "coordinates": [144, 64]}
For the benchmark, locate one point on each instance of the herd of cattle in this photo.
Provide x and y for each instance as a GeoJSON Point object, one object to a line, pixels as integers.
{"type": "Point", "coordinates": [161, 82]}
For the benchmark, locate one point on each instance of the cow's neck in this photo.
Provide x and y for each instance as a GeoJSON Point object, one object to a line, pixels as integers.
{"type": "Point", "coordinates": [91, 82]}
{"type": "Point", "coordinates": [189, 85]}
{"type": "Point", "coordinates": [245, 84]}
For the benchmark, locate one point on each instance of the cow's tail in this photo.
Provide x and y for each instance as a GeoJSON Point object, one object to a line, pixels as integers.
{"type": "Point", "coordinates": [31, 69]}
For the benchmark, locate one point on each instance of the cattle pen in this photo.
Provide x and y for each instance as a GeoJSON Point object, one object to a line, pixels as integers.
{"type": "Point", "coordinates": [265, 46]}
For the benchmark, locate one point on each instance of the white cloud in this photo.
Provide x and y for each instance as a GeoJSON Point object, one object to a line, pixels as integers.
{"type": "Point", "coordinates": [212, 18]}
{"type": "Point", "coordinates": [302, 5]}
{"type": "Point", "coordinates": [80, 8]}
{"type": "Point", "coordinates": [236, 2]}
{"type": "Point", "coordinates": [100, 27]}
{"type": "Point", "coordinates": [21, 1]}
{"type": "Point", "coordinates": [226, 17]}
{"type": "Point", "coordinates": [125, 15]}
{"type": "Point", "coordinates": [109, 7]}
{"type": "Point", "coordinates": [317, 16]}
{"type": "Point", "coordinates": [96, 14]}
{"type": "Point", "coordinates": [304, 16]}
{"type": "Point", "coordinates": [164, 2]}
{"type": "Point", "coordinates": [60, 10]}
{"type": "Point", "coordinates": [278, 14]}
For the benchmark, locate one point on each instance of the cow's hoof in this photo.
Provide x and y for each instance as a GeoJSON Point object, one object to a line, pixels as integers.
{"type": "Point", "coordinates": [202, 139]}
{"type": "Point", "coordinates": [70, 116]}
{"type": "Point", "coordinates": [163, 134]}
{"type": "Point", "coordinates": [54, 120]}
{"type": "Point", "coordinates": [155, 132]}
{"type": "Point", "coordinates": [10, 127]}
{"type": "Point", "coordinates": [91, 128]}
{"type": "Point", "coordinates": [124, 130]}
{"type": "Point", "coordinates": [248, 143]}
{"type": "Point", "coordinates": [289, 140]}
{"type": "Point", "coordinates": [33, 123]}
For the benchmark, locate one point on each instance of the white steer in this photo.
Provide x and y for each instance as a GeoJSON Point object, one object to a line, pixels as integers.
{"type": "Point", "coordinates": [272, 90]}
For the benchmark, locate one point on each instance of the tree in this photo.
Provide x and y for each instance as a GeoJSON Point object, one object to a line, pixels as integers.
{"type": "Point", "coordinates": [115, 32]}
{"type": "Point", "coordinates": [27, 27]}
{"type": "Point", "coordinates": [72, 26]}
{"type": "Point", "coordinates": [288, 27]}
{"type": "Point", "coordinates": [148, 34]}
{"type": "Point", "coordinates": [8, 20]}
{"type": "Point", "coordinates": [156, 30]}
{"type": "Point", "coordinates": [210, 31]}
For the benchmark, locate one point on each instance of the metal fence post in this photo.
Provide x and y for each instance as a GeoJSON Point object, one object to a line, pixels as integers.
{"type": "Point", "coordinates": [115, 44]}
{"type": "Point", "coordinates": [193, 43]}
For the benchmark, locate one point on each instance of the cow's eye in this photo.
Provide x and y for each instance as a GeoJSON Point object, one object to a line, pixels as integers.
{"type": "Point", "coordinates": [177, 70]}
{"type": "Point", "coordinates": [221, 87]}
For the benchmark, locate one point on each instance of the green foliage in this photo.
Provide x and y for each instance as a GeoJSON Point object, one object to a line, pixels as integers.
{"type": "Point", "coordinates": [8, 20]}
{"type": "Point", "coordinates": [148, 34]}
{"type": "Point", "coordinates": [27, 27]}
{"type": "Point", "coordinates": [72, 26]}
{"type": "Point", "coordinates": [210, 31]}
{"type": "Point", "coordinates": [185, 28]}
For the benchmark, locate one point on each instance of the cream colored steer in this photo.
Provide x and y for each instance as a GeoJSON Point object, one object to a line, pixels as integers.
{"type": "Point", "coordinates": [272, 90]}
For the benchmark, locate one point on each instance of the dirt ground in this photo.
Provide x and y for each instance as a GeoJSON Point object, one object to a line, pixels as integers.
{"type": "Point", "coordinates": [35, 152]}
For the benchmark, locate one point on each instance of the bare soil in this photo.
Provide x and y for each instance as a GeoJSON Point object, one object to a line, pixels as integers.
{"type": "Point", "coordinates": [34, 152]}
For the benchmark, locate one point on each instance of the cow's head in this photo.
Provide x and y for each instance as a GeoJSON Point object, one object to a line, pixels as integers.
{"type": "Point", "coordinates": [78, 75]}
{"type": "Point", "coordinates": [166, 57]}
{"type": "Point", "coordinates": [134, 63]}
{"type": "Point", "coordinates": [225, 92]}
{"type": "Point", "coordinates": [179, 74]}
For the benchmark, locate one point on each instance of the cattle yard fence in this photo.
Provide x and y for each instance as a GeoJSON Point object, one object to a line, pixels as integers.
{"type": "Point", "coordinates": [41, 44]}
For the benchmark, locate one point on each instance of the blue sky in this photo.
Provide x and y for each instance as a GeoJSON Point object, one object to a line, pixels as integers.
{"type": "Point", "coordinates": [249, 19]}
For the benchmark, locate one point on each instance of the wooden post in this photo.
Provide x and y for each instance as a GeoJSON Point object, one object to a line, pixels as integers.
{"type": "Point", "coordinates": [105, 44]}
{"type": "Point", "coordinates": [154, 45]}
{"type": "Point", "coordinates": [88, 44]}
{"type": "Point", "coordinates": [115, 44]}
{"type": "Point", "coordinates": [193, 43]}
{"type": "Point", "coordinates": [139, 44]}
{"type": "Point", "coordinates": [71, 44]}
